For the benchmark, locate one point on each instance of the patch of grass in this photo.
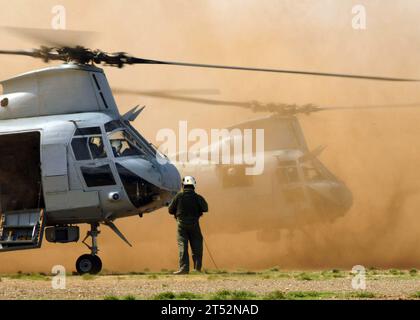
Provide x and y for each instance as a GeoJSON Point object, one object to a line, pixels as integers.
{"type": "Point", "coordinates": [136, 273]}
{"type": "Point", "coordinates": [309, 295]}
{"type": "Point", "coordinates": [361, 295]}
{"type": "Point", "coordinates": [152, 276]}
{"type": "Point", "coordinates": [415, 295]}
{"type": "Point", "coordinates": [164, 296]}
{"type": "Point", "coordinates": [303, 276]}
{"type": "Point", "coordinates": [216, 271]}
{"type": "Point", "coordinates": [275, 295]}
{"type": "Point", "coordinates": [88, 276]}
{"type": "Point", "coordinates": [233, 295]}
{"type": "Point", "coordinates": [283, 275]}
{"type": "Point", "coordinates": [331, 274]}
{"type": "Point", "coordinates": [196, 273]}
{"type": "Point", "coordinates": [413, 272]}
{"type": "Point", "coordinates": [29, 276]}
{"type": "Point", "coordinates": [188, 296]}
{"type": "Point", "coordinates": [127, 297]}
{"type": "Point", "coordinates": [396, 272]}
{"type": "Point", "coordinates": [337, 273]}
{"type": "Point", "coordinates": [177, 296]}
{"type": "Point", "coordinates": [244, 272]}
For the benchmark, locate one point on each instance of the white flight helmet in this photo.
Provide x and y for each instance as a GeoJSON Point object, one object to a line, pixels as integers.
{"type": "Point", "coordinates": [189, 181]}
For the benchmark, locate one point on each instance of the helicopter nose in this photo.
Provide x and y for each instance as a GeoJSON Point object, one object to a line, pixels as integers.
{"type": "Point", "coordinates": [164, 176]}
{"type": "Point", "coordinates": [335, 196]}
{"type": "Point", "coordinates": [171, 179]}
{"type": "Point", "coordinates": [343, 195]}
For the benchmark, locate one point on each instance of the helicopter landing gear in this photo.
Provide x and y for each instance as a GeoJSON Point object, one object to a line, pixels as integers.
{"type": "Point", "coordinates": [90, 263]}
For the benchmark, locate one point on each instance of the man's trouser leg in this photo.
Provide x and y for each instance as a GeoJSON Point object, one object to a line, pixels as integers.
{"type": "Point", "coordinates": [184, 260]}
{"type": "Point", "coordinates": [196, 240]}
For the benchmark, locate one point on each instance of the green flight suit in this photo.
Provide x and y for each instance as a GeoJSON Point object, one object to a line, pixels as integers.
{"type": "Point", "coordinates": [188, 207]}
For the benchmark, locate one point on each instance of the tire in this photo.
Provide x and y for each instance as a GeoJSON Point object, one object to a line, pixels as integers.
{"type": "Point", "coordinates": [88, 263]}
{"type": "Point", "coordinates": [97, 265]}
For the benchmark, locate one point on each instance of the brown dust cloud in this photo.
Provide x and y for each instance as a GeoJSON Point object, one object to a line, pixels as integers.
{"type": "Point", "coordinates": [376, 152]}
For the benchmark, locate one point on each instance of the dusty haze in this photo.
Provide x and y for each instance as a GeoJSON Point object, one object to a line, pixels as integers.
{"type": "Point", "coordinates": [375, 152]}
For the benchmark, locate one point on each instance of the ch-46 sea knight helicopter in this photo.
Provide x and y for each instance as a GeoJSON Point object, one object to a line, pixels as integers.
{"type": "Point", "coordinates": [69, 157]}
{"type": "Point", "coordinates": [294, 189]}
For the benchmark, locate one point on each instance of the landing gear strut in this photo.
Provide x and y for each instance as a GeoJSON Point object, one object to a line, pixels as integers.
{"type": "Point", "coordinates": [90, 263]}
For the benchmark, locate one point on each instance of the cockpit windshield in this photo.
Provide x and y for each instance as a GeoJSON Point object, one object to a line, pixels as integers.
{"type": "Point", "coordinates": [123, 145]}
{"type": "Point", "coordinates": [313, 170]}
{"type": "Point", "coordinates": [131, 140]}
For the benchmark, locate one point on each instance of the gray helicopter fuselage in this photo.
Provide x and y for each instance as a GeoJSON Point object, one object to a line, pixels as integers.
{"type": "Point", "coordinates": [293, 189]}
{"type": "Point", "coordinates": [83, 177]}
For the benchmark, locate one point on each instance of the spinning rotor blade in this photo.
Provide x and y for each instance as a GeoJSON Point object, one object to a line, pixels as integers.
{"type": "Point", "coordinates": [158, 93]}
{"type": "Point", "coordinates": [390, 106]}
{"type": "Point", "coordinates": [18, 52]}
{"type": "Point", "coordinates": [134, 60]}
{"type": "Point", "coordinates": [53, 38]}
{"type": "Point", "coordinates": [255, 106]}
{"type": "Point", "coordinates": [169, 95]}
{"type": "Point", "coordinates": [68, 46]}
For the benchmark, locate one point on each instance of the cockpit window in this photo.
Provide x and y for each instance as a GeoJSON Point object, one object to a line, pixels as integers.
{"type": "Point", "coordinates": [87, 131]}
{"type": "Point", "coordinates": [287, 172]}
{"type": "Point", "coordinates": [98, 176]}
{"type": "Point", "coordinates": [139, 191]}
{"type": "Point", "coordinates": [123, 145]}
{"type": "Point", "coordinates": [88, 148]}
{"type": "Point", "coordinates": [311, 172]}
{"type": "Point", "coordinates": [290, 174]}
{"type": "Point", "coordinates": [80, 149]}
{"type": "Point", "coordinates": [113, 125]}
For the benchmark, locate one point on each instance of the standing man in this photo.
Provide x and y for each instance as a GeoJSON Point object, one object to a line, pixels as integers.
{"type": "Point", "coordinates": [187, 207]}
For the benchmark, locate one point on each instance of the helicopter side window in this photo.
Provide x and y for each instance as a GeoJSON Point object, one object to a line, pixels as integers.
{"type": "Point", "coordinates": [123, 145]}
{"type": "Point", "coordinates": [88, 148]}
{"type": "Point", "coordinates": [288, 172]}
{"type": "Point", "coordinates": [98, 176]}
{"type": "Point", "coordinates": [80, 149]}
{"type": "Point", "coordinates": [311, 173]}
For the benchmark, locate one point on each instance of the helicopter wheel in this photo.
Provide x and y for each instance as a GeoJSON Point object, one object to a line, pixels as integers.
{"type": "Point", "coordinates": [88, 263]}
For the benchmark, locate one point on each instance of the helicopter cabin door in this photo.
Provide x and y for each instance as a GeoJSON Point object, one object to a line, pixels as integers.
{"type": "Point", "coordinates": [21, 197]}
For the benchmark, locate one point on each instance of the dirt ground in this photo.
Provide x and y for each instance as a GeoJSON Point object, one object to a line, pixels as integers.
{"type": "Point", "coordinates": [272, 284]}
